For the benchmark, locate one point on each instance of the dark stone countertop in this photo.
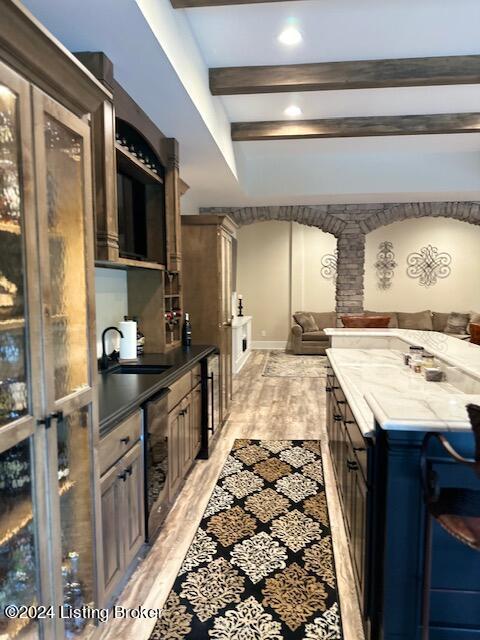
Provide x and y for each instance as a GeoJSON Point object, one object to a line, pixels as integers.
{"type": "Point", "coordinates": [120, 394]}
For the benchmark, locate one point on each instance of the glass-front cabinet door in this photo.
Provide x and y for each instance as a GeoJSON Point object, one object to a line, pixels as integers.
{"type": "Point", "coordinates": [21, 514]}
{"type": "Point", "coordinates": [62, 158]}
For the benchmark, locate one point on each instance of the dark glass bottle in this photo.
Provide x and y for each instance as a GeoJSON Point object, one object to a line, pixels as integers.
{"type": "Point", "coordinates": [187, 332]}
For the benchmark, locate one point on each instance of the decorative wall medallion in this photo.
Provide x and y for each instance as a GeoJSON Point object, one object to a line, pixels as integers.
{"type": "Point", "coordinates": [329, 266]}
{"type": "Point", "coordinates": [385, 265]}
{"type": "Point", "coordinates": [428, 265]}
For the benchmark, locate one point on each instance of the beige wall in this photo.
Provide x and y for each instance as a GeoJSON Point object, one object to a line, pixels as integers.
{"type": "Point", "coordinates": [278, 271]}
{"type": "Point", "coordinates": [459, 292]}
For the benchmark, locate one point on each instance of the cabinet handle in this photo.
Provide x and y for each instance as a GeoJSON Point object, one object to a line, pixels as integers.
{"type": "Point", "coordinates": [129, 470]}
{"type": "Point", "coordinates": [352, 465]}
{"type": "Point", "coordinates": [125, 440]}
{"type": "Point", "coordinates": [337, 417]}
{"type": "Point", "coordinates": [122, 476]}
{"type": "Point", "coordinates": [342, 401]}
{"type": "Point", "coordinates": [359, 449]}
{"type": "Point", "coordinates": [55, 415]}
{"type": "Point", "coordinates": [328, 389]}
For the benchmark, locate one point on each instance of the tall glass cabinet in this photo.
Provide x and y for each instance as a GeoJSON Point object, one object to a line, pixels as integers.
{"type": "Point", "coordinates": [48, 416]}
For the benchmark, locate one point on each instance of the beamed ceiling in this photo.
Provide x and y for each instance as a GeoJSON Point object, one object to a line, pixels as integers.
{"type": "Point", "coordinates": [387, 93]}
{"type": "Point", "coordinates": [343, 75]}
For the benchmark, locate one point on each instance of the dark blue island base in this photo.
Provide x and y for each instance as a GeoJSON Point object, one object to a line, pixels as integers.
{"type": "Point", "coordinates": [395, 544]}
{"type": "Point", "coordinates": [379, 483]}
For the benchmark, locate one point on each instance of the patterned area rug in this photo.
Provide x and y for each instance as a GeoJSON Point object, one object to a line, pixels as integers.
{"type": "Point", "coordinates": [261, 564]}
{"type": "Point", "coordinates": [287, 365]}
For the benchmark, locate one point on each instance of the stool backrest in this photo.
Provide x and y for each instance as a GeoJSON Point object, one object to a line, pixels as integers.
{"type": "Point", "coordinates": [474, 415]}
{"type": "Point", "coordinates": [475, 333]}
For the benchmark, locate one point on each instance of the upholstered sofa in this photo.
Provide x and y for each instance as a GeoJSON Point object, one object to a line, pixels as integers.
{"type": "Point", "coordinates": [312, 342]}
{"type": "Point", "coordinates": [305, 342]}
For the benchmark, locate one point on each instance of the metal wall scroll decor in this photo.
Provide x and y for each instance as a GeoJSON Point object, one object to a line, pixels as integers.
{"type": "Point", "coordinates": [385, 265]}
{"type": "Point", "coordinates": [428, 265]}
{"type": "Point", "coordinates": [329, 266]}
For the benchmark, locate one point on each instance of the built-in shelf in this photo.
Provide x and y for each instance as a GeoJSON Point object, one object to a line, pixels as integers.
{"type": "Point", "coordinates": [173, 301]}
{"type": "Point", "coordinates": [127, 263]}
{"type": "Point", "coordinates": [135, 162]}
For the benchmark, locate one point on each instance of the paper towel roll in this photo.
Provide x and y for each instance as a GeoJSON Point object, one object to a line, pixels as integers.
{"type": "Point", "coordinates": [128, 344]}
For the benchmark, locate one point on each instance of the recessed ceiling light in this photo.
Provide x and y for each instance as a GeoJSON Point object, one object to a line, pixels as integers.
{"type": "Point", "coordinates": [290, 36]}
{"type": "Point", "coordinates": [292, 111]}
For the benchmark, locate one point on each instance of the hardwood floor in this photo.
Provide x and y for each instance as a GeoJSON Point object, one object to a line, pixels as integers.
{"type": "Point", "coordinates": [263, 408]}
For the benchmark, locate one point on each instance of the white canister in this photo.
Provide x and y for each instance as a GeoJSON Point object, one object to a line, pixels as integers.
{"type": "Point", "coordinates": [128, 344]}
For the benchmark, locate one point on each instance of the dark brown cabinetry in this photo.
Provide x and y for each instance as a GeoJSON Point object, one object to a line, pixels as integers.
{"type": "Point", "coordinates": [349, 451]}
{"type": "Point", "coordinates": [48, 406]}
{"type": "Point", "coordinates": [122, 500]}
{"type": "Point", "coordinates": [207, 290]}
{"type": "Point", "coordinates": [136, 172]}
{"type": "Point", "coordinates": [184, 428]}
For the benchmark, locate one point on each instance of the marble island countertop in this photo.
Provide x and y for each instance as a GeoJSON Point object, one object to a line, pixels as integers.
{"type": "Point", "coordinates": [459, 353]}
{"type": "Point", "coordinates": [378, 385]}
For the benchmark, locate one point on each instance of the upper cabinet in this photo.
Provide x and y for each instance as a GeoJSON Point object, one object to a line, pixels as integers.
{"type": "Point", "coordinates": [137, 184]}
{"type": "Point", "coordinates": [48, 415]}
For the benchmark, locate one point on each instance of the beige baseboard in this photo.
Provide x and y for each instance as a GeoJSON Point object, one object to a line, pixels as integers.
{"type": "Point", "coordinates": [269, 344]}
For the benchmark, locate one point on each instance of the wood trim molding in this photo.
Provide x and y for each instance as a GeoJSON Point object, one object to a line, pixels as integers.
{"type": "Point", "coordinates": [357, 127]}
{"type": "Point", "coordinates": [359, 74]}
{"type": "Point", "coordinates": [27, 45]}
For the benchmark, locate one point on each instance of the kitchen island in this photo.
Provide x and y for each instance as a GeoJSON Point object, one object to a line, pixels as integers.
{"type": "Point", "coordinates": [378, 411]}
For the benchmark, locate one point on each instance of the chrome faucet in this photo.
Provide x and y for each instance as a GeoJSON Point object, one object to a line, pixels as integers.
{"type": "Point", "coordinates": [104, 358]}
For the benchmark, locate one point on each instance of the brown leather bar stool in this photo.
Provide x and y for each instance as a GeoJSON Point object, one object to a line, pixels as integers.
{"type": "Point", "coordinates": [457, 510]}
{"type": "Point", "coordinates": [475, 333]}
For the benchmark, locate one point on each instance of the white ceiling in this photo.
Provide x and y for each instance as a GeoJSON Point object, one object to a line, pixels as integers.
{"type": "Point", "coordinates": [161, 56]}
{"type": "Point", "coordinates": [336, 30]}
{"type": "Point", "coordinates": [355, 102]}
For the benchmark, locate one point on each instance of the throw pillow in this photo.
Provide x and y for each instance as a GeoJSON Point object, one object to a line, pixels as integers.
{"type": "Point", "coordinates": [306, 321]}
{"type": "Point", "coordinates": [475, 318]}
{"type": "Point", "coordinates": [457, 323]}
{"type": "Point", "coordinates": [420, 321]}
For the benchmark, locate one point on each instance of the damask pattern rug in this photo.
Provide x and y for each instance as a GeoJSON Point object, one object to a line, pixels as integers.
{"type": "Point", "coordinates": [261, 564]}
{"type": "Point", "coordinates": [287, 365]}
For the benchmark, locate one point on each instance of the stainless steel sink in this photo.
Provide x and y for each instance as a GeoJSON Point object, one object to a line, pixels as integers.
{"type": "Point", "coordinates": [140, 368]}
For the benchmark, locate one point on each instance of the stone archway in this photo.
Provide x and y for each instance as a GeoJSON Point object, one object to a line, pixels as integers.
{"type": "Point", "coordinates": [350, 223]}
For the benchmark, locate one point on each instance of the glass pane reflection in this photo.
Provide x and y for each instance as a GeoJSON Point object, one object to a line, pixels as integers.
{"type": "Point", "coordinates": [76, 517]}
{"type": "Point", "coordinates": [13, 389]}
{"type": "Point", "coordinates": [17, 542]}
{"type": "Point", "coordinates": [64, 158]}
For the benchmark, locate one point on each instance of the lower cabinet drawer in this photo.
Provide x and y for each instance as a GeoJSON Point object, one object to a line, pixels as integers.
{"type": "Point", "coordinates": [179, 389]}
{"type": "Point", "coordinates": [119, 441]}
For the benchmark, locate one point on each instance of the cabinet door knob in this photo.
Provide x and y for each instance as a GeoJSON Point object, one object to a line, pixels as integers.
{"type": "Point", "coordinates": [129, 470]}
{"type": "Point", "coordinates": [122, 476]}
{"type": "Point", "coordinates": [337, 417]}
{"type": "Point", "coordinates": [352, 465]}
{"type": "Point", "coordinates": [125, 440]}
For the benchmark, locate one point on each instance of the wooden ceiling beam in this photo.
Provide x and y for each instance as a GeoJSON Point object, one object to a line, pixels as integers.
{"type": "Point", "coordinates": [188, 4]}
{"type": "Point", "coordinates": [359, 74]}
{"type": "Point", "coordinates": [410, 125]}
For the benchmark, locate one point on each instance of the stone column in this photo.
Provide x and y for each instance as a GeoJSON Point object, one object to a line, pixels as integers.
{"type": "Point", "coordinates": [350, 269]}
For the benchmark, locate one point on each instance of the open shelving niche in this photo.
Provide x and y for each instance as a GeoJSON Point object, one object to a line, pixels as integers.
{"type": "Point", "coordinates": [173, 309]}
